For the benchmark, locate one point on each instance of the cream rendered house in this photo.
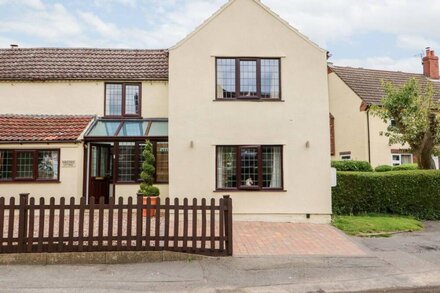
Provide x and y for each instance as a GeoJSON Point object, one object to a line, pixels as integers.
{"type": "Point", "coordinates": [238, 107]}
{"type": "Point", "coordinates": [358, 134]}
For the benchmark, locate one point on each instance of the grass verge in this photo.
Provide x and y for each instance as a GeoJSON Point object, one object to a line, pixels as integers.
{"type": "Point", "coordinates": [375, 225]}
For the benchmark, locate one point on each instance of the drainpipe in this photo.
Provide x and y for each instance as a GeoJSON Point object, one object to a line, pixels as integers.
{"type": "Point", "coordinates": [368, 136]}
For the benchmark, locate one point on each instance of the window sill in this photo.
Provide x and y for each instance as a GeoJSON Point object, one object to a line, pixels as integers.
{"type": "Point", "coordinates": [248, 190]}
{"type": "Point", "coordinates": [250, 100]}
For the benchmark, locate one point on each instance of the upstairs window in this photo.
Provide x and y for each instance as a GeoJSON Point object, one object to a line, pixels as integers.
{"type": "Point", "coordinates": [248, 78]}
{"type": "Point", "coordinates": [122, 99]}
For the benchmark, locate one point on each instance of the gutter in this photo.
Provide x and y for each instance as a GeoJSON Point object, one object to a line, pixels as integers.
{"type": "Point", "coordinates": [368, 136]}
{"type": "Point", "coordinates": [5, 142]}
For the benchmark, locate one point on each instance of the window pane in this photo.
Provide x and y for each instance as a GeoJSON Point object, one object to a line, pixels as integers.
{"type": "Point", "coordinates": [249, 167]}
{"type": "Point", "coordinates": [406, 159]}
{"type": "Point", "coordinates": [94, 170]}
{"type": "Point", "coordinates": [226, 167]}
{"type": "Point", "coordinates": [141, 157]}
{"type": "Point", "coordinates": [271, 157]}
{"type": "Point", "coordinates": [225, 78]}
{"type": "Point", "coordinates": [162, 162]}
{"type": "Point", "coordinates": [158, 129]}
{"type": "Point", "coordinates": [248, 78]}
{"type": "Point", "coordinates": [105, 128]}
{"type": "Point", "coordinates": [113, 97]}
{"type": "Point", "coordinates": [126, 158]}
{"type": "Point", "coordinates": [103, 161]}
{"type": "Point", "coordinates": [5, 165]}
{"type": "Point", "coordinates": [270, 78]}
{"type": "Point", "coordinates": [48, 165]}
{"type": "Point", "coordinates": [134, 128]}
{"type": "Point", "coordinates": [25, 165]}
{"type": "Point", "coordinates": [132, 99]}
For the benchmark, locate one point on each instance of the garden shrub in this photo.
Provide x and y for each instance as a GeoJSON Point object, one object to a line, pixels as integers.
{"type": "Point", "coordinates": [350, 165]}
{"type": "Point", "coordinates": [413, 193]}
{"type": "Point", "coordinates": [383, 168]}
{"type": "Point", "coordinates": [406, 167]}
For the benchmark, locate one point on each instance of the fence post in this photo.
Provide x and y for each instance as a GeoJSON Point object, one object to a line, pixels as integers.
{"type": "Point", "coordinates": [22, 222]}
{"type": "Point", "coordinates": [228, 224]}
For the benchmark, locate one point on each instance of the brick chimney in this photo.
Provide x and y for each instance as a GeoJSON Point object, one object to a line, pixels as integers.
{"type": "Point", "coordinates": [430, 64]}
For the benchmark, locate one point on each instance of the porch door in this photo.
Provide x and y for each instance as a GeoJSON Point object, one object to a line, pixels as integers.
{"type": "Point", "coordinates": [100, 171]}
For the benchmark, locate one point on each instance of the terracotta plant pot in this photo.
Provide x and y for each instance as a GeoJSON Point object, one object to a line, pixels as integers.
{"type": "Point", "coordinates": [153, 200]}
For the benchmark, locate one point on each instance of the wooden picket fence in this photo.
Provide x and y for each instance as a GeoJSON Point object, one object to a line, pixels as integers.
{"type": "Point", "coordinates": [199, 227]}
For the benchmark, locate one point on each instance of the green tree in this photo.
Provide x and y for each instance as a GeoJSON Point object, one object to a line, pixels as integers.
{"type": "Point", "coordinates": [416, 118]}
{"type": "Point", "coordinates": [147, 174]}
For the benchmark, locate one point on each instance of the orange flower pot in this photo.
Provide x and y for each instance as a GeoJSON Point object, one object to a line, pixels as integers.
{"type": "Point", "coordinates": [153, 201]}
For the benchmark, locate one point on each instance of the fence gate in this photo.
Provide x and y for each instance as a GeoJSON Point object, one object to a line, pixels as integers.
{"type": "Point", "coordinates": [199, 227]}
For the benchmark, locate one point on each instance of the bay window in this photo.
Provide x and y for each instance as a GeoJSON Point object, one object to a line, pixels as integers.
{"type": "Point", "coordinates": [122, 99]}
{"type": "Point", "coordinates": [248, 78]}
{"type": "Point", "coordinates": [29, 165]}
{"type": "Point", "coordinates": [249, 167]}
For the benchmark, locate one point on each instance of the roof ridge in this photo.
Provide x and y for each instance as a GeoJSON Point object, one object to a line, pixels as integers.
{"type": "Point", "coordinates": [374, 69]}
{"type": "Point", "coordinates": [83, 48]}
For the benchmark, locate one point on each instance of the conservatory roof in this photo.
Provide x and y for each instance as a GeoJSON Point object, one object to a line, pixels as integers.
{"type": "Point", "coordinates": [128, 129]}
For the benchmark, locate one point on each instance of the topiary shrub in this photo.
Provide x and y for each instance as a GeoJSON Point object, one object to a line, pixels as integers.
{"type": "Point", "coordinates": [406, 167]}
{"type": "Point", "coordinates": [413, 192]}
{"type": "Point", "coordinates": [147, 174]}
{"type": "Point", "coordinates": [383, 168]}
{"type": "Point", "coordinates": [349, 165]}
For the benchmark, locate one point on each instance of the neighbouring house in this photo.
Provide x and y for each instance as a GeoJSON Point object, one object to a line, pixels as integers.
{"type": "Point", "coordinates": [356, 134]}
{"type": "Point", "coordinates": [238, 107]}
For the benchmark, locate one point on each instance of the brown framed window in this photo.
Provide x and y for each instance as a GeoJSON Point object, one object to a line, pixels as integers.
{"type": "Point", "coordinates": [29, 165]}
{"type": "Point", "coordinates": [249, 167]}
{"type": "Point", "coordinates": [248, 78]}
{"type": "Point", "coordinates": [161, 162]}
{"type": "Point", "coordinates": [129, 161]}
{"type": "Point", "coordinates": [122, 99]}
{"type": "Point", "coordinates": [6, 157]}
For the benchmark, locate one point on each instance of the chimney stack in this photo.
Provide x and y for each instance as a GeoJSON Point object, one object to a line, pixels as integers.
{"type": "Point", "coordinates": [14, 46]}
{"type": "Point", "coordinates": [430, 64]}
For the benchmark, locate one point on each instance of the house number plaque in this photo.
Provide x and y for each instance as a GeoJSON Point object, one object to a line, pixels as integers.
{"type": "Point", "coordinates": [68, 163]}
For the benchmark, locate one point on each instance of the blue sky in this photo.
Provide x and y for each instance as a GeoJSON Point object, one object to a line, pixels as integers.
{"type": "Point", "coordinates": [383, 34]}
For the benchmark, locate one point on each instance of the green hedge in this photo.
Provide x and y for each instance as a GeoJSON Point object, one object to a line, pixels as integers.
{"type": "Point", "coordinates": [414, 193]}
{"type": "Point", "coordinates": [383, 168]}
{"type": "Point", "coordinates": [350, 165]}
{"type": "Point", "coordinates": [406, 167]}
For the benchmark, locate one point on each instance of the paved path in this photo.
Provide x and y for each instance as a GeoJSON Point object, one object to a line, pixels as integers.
{"type": "Point", "coordinates": [278, 239]}
{"type": "Point", "coordinates": [403, 261]}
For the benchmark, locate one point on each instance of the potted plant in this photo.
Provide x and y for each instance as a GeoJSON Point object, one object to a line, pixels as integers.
{"type": "Point", "coordinates": [147, 190]}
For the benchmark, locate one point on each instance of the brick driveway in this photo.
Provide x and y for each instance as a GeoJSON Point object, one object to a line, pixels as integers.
{"type": "Point", "coordinates": [277, 239]}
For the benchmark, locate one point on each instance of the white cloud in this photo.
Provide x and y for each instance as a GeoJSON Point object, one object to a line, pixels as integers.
{"type": "Point", "coordinates": [34, 4]}
{"type": "Point", "coordinates": [108, 3]}
{"type": "Point", "coordinates": [412, 64]}
{"type": "Point", "coordinates": [323, 21]}
{"type": "Point", "coordinates": [106, 29]}
{"type": "Point", "coordinates": [412, 24]}
{"type": "Point", "coordinates": [51, 24]}
{"type": "Point", "coordinates": [416, 42]}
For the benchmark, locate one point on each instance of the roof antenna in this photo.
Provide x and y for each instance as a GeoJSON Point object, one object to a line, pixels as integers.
{"type": "Point", "coordinates": [14, 46]}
